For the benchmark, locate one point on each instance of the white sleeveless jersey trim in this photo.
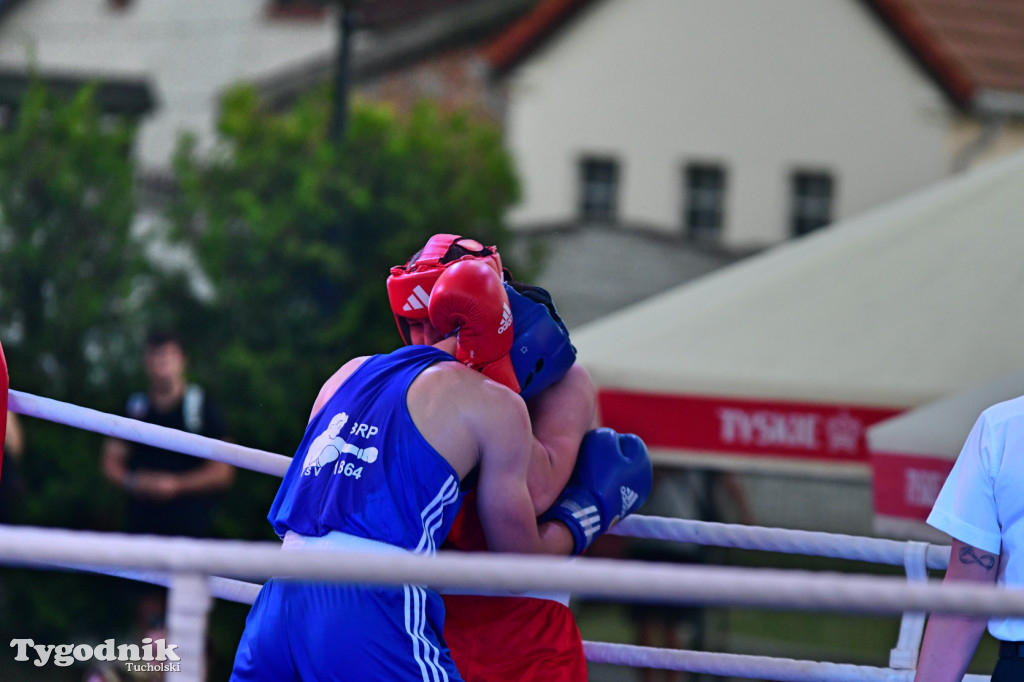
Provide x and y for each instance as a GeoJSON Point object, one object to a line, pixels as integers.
{"type": "Point", "coordinates": [432, 517]}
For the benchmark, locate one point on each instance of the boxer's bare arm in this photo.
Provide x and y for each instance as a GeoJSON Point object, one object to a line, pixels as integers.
{"type": "Point", "coordinates": [502, 425]}
{"type": "Point", "coordinates": [561, 415]}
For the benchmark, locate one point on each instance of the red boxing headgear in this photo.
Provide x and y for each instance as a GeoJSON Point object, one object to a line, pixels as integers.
{"type": "Point", "coordinates": [409, 285]}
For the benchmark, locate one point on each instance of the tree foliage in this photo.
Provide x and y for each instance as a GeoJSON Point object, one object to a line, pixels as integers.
{"type": "Point", "coordinates": [68, 266]}
{"type": "Point", "coordinates": [297, 234]}
{"type": "Point", "coordinates": [71, 279]}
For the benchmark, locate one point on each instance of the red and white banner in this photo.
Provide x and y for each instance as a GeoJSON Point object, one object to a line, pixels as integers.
{"type": "Point", "coordinates": [820, 431]}
{"type": "Point", "coordinates": [905, 486]}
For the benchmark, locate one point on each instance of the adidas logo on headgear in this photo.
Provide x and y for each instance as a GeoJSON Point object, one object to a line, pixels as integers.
{"type": "Point", "coordinates": [417, 300]}
{"type": "Point", "coordinates": [506, 319]}
{"type": "Point", "coordinates": [629, 498]}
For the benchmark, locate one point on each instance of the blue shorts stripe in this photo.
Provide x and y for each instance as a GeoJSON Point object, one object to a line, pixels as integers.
{"type": "Point", "coordinates": [424, 651]}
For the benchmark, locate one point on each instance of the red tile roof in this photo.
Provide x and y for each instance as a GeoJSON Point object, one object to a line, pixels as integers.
{"type": "Point", "coordinates": [968, 46]}
{"type": "Point", "coordinates": [525, 35]}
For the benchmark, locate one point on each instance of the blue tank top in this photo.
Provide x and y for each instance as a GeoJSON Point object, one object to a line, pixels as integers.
{"type": "Point", "coordinates": [363, 468]}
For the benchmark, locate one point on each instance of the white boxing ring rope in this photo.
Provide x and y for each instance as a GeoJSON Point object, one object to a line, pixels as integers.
{"type": "Point", "coordinates": [182, 563]}
{"type": "Point", "coordinates": [141, 432]}
{"type": "Point", "coordinates": [875, 550]}
{"type": "Point", "coordinates": [723, 586]}
{"type": "Point", "coordinates": [811, 543]}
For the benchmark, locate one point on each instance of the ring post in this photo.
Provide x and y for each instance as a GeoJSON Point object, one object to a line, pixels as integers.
{"type": "Point", "coordinates": [187, 607]}
{"type": "Point", "coordinates": [904, 656]}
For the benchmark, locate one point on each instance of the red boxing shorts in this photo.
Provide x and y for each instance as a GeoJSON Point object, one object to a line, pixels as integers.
{"type": "Point", "coordinates": [513, 639]}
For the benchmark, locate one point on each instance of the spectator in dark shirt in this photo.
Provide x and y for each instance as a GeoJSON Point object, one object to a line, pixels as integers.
{"type": "Point", "coordinates": [169, 493]}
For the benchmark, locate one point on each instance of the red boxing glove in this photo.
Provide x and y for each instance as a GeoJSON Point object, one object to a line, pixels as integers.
{"type": "Point", "coordinates": [3, 402]}
{"type": "Point", "coordinates": [469, 296]}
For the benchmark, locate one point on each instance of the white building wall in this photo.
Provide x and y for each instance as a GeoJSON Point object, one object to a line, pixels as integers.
{"type": "Point", "coordinates": [188, 51]}
{"type": "Point", "coordinates": [762, 87]}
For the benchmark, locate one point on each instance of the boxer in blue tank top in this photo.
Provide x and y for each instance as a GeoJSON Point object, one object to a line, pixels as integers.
{"type": "Point", "coordinates": [363, 470]}
{"type": "Point", "coordinates": [381, 467]}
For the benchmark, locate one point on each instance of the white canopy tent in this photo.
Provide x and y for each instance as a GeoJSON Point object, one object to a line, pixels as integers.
{"type": "Point", "coordinates": [912, 454]}
{"type": "Point", "coordinates": [784, 359]}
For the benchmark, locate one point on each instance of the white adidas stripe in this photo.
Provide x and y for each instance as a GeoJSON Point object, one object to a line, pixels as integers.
{"type": "Point", "coordinates": [437, 518]}
{"type": "Point", "coordinates": [433, 653]}
{"type": "Point", "coordinates": [580, 514]}
{"type": "Point", "coordinates": [423, 650]}
{"type": "Point", "coordinates": [433, 515]}
{"type": "Point", "coordinates": [411, 616]}
{"type": "Point", "coordinates": [629, 498]}
{"type": "Point", "coordinates": [589, 519]}
{"type": "Point", "coordinates": [418, 299]}
{"type": "Point", "coordinates": [506, 319]}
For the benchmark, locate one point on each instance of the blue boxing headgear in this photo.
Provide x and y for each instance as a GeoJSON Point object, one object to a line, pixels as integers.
{"type": "Point", "coordinates": [541, 352]}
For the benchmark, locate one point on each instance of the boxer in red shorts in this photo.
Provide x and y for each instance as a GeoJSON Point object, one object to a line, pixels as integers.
{"type": "Point", "coordinates": [521, 637]}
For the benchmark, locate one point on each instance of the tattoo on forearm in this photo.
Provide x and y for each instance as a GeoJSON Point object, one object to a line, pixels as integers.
{"type": "Point", "coordinates": [983, 559]}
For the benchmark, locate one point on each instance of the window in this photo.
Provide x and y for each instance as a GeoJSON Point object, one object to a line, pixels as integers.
{"type": "Point", "coordinates": [704, 204]}
{"type": "Point", "coordinates": [599, 186]}
{"type": "Point", "coordinates": [812, 196]}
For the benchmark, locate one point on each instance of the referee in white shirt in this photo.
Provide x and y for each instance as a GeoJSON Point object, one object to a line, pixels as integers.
{"type": "Point", "coordinates": [981, 506]}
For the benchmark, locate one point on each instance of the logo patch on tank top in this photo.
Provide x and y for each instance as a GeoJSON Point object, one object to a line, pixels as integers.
{"type": "Point", "coordinates": [329, 447]}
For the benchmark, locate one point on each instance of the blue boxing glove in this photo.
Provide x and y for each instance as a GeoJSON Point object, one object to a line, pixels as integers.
{"type": "Point", "coordinates": [541, 352]}
{"type": "Point", "coordinates": [612, 479]}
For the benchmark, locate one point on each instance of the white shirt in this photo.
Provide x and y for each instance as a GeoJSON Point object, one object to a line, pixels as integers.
{"type": "Point", "coordinates": [982, 501]}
